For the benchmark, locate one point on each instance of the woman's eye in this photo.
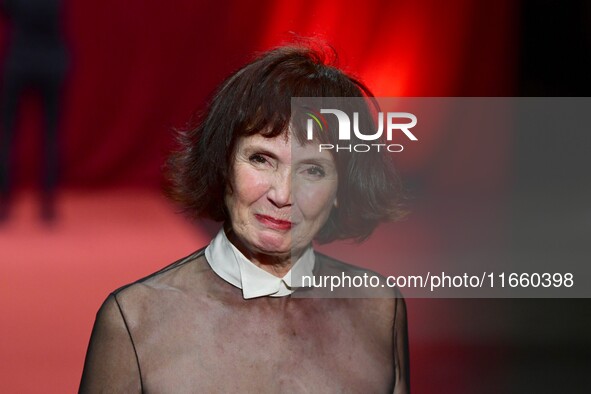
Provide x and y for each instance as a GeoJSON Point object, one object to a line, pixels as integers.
{"type": "Point", "coordinates": [257, 159]}
{"type": "Point", "coordinates": [316, 171]}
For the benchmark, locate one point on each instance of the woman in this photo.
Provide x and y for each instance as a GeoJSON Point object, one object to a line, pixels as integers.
{"type": "Point", "coordinates": [236, 316]}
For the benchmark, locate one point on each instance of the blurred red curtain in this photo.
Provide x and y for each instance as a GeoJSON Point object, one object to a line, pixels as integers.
{"type": "Point", "coordinates": [141, 68]}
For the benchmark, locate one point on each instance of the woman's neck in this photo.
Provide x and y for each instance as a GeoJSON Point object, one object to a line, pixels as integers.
{"type": "Point", "coordinates": [277, 265]}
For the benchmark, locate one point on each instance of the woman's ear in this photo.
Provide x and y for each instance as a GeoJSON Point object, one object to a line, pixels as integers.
{"type": "Point", "coordinates": [335, 203]}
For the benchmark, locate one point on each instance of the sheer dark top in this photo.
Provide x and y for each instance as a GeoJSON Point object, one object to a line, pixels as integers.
{"type": "Point", "coordinates": [185, 330]}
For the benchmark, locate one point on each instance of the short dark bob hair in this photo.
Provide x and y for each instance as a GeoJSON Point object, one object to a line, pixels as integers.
{"type": "Point", "coordinates": [257, 100]}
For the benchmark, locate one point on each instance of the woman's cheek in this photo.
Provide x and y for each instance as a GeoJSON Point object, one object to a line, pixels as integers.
{"type": "Point", "coordinates": [315, 199]}
{"type": "Point", "coordinates": [251, 184]}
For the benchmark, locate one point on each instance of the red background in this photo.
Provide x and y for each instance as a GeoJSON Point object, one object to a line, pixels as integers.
{"type": "Point", "coordinates": [140, 68]}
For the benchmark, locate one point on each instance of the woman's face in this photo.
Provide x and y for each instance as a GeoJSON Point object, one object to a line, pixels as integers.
{"type": "Point", "coordinates": [281, 194]}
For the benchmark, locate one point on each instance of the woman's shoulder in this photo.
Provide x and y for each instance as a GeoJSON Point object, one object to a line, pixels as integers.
{"type": "Point", "coordinates": [379, 304]}
{"type": "Point", "coordinates": [341, 279]}
{"type": "Point", "coordinates": [167, 277]}
{"type": "Point", "coordinates": [184, 277]}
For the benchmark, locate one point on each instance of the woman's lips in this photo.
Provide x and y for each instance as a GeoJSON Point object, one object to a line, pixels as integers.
{"type": "Point", "coordinates": [274, 223]}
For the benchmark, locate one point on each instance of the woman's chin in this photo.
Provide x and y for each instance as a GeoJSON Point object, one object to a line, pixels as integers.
{"type": "Point", "coordinates": [274, 244]}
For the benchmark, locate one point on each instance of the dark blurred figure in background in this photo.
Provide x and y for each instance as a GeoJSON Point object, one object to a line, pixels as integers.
{"type": "Point", "coordinates": [36, 60]}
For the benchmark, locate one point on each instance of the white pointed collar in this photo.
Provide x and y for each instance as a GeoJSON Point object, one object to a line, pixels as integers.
{"type": "Point", "coordinates": [233, 267]}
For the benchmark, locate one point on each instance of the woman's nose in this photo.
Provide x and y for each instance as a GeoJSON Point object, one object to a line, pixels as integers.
{"type": "Point", "coordinates": [280, 192]}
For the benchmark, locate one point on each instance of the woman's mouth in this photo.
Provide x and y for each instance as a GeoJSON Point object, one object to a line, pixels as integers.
{"type": "Point", "coordinates": [274, 223]}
